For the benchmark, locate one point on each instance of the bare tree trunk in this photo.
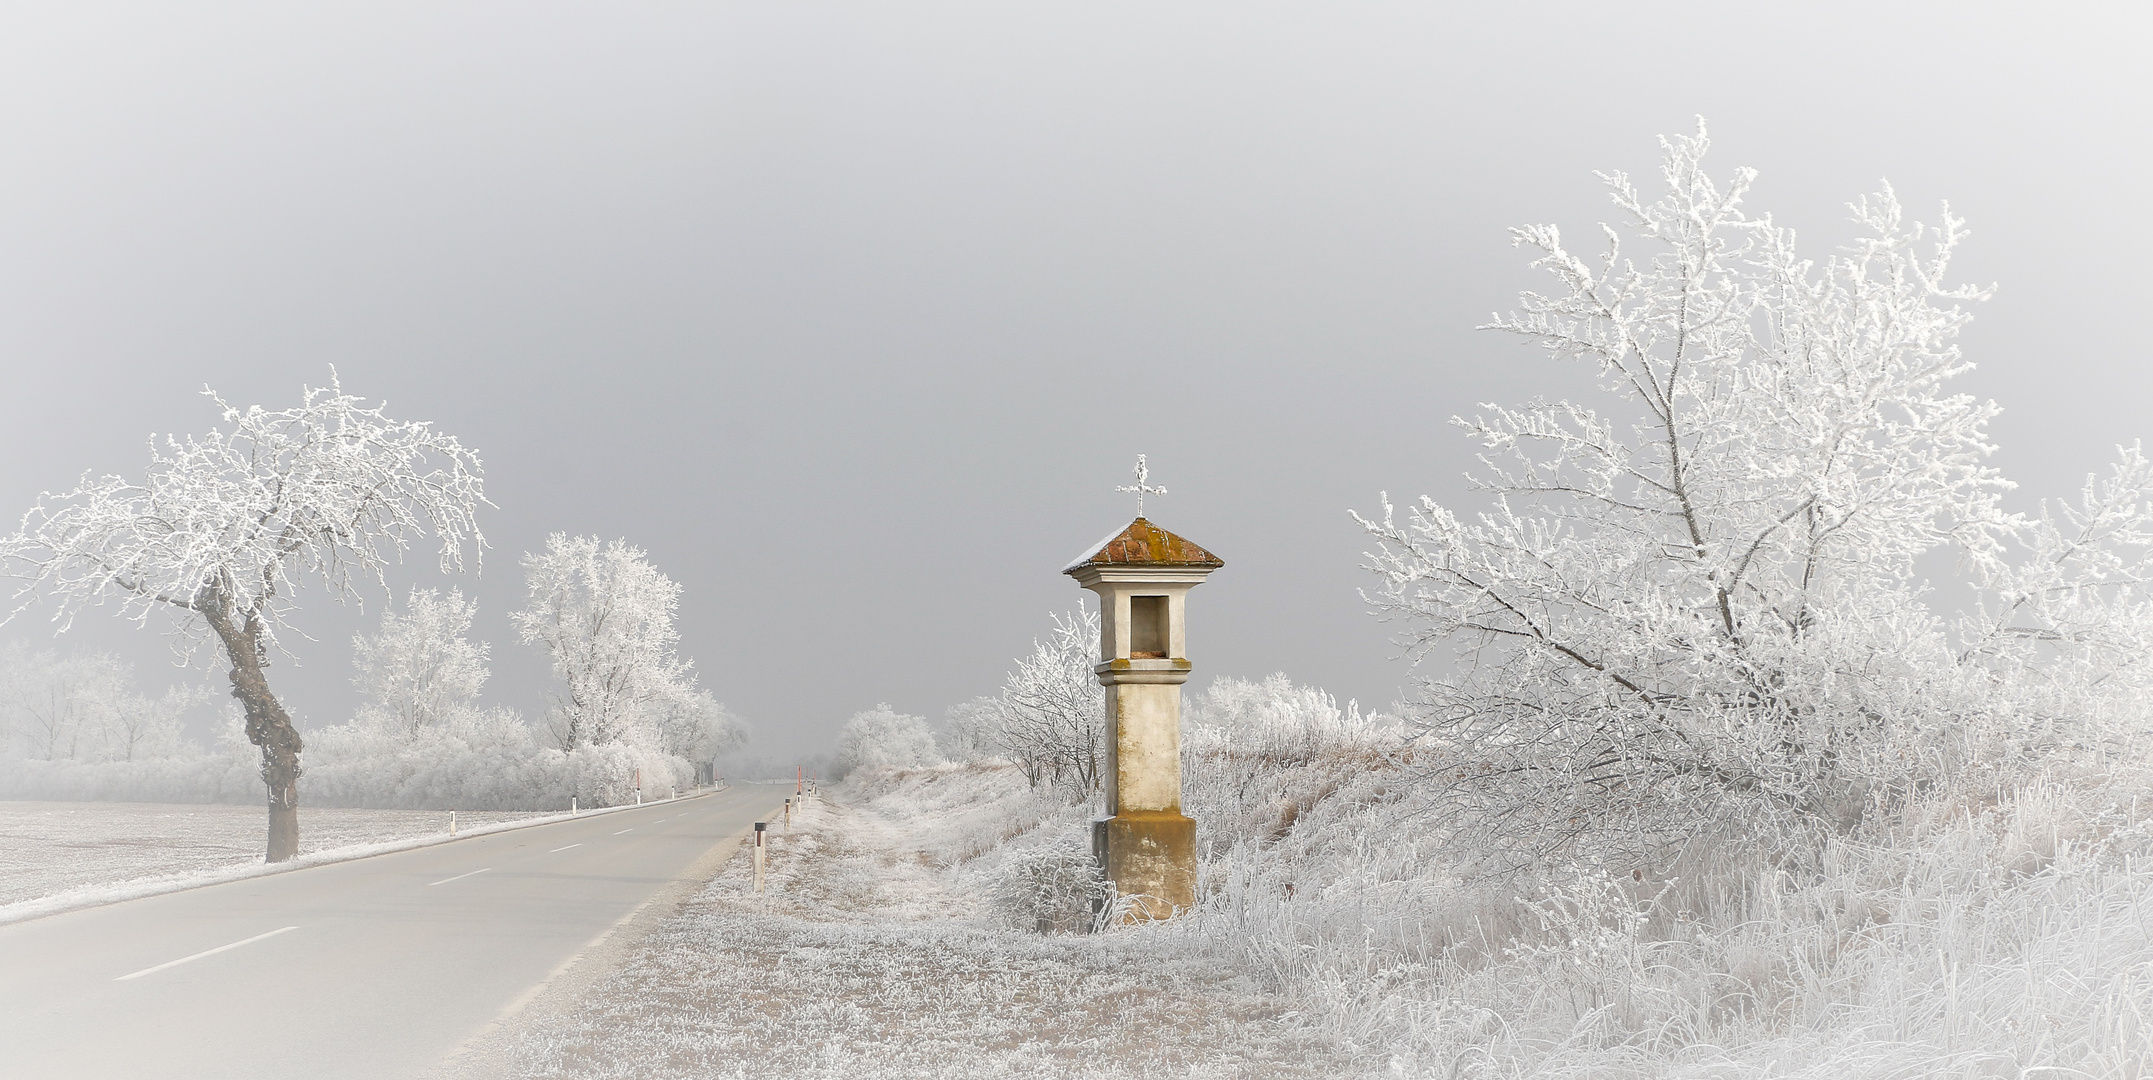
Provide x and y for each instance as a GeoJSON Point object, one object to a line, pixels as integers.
{"type": "Point", "coordinates": [269, 727]}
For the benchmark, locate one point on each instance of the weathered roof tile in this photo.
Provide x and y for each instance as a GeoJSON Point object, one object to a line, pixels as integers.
{"type": "Point", "coordinates": [1144, 544]}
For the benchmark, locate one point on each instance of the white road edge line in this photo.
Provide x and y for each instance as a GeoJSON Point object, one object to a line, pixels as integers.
{"type": "Point", "coordinates": [631, 828]}
{"type": "Point", "coordinates": [199, 955]}
{"type": "Point", "coordinates": [558, 850]}
{"type": "Point", "coordinates": [458, 877]}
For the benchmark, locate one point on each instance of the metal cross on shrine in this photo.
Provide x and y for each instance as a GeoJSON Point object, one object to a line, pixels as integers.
{"type": "Point", "coordinates": [1141, 488]}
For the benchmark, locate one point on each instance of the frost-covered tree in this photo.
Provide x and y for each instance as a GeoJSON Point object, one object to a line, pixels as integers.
{"type": "Point", "coordinates": [1274, 719]}
{"type": "Point", "coordinates": [967, 733]}
{"type": "Point", "coordinates": [224, 527]}
{"type": "Point", "coordinates": [1051, 717]}
{"type": "Point", "coordinates": [57, 707]}
{"type": "Point", "coordinates": [1702, 601]}
{"type": "Point", "coordinates": [881, 737]}
{"type": "Point", "coordinates": [694, 726]}
{"type": "Point", "coordinates": [605, 616]}
{"type": "Point", "coordinates": [420, 668]}
{"type": "Point", "coordinates": [87, 708]}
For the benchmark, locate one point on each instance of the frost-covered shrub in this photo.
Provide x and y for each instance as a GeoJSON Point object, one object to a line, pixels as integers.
{"type": "Point", "coordinates": [968, 731]}
{"type": "Point", "coordinates": [1050, 717]}
{"type": "Point", "coordinates": [480, 761]}
{"type": "Point", "coordinates": [881, 737]}
{"type": "Point", "coordinates": [1260, 754]}
{"type": "Point", "coordinates": [1055, 888]}
{"type": "Point", "coordinates": [1703, 600]}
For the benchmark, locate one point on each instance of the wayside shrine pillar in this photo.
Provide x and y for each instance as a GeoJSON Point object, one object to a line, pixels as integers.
{"type": "Point", "coordinates": [1143, 575]}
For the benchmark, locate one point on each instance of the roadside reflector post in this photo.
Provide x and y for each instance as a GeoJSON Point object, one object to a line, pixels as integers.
{"type": "Point", "coordinates": [452, 823]}
{"type": "Point", "coordinates": [571, 804]}
{"type": "Point", "coordinates": [760, 828]}
{"type": "Point", "coordinates": [788, 815]}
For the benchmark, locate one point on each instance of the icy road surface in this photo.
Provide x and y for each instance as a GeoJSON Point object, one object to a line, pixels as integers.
{"type": "Point", "coordinates": [381, 967]}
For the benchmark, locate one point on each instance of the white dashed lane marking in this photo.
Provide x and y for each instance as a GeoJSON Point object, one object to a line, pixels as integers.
{"type": "Point", "coordinates": [199, 955]}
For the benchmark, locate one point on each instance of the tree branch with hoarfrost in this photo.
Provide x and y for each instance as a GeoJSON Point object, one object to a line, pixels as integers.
{"type": "Point", "coordinates": [1051, 716]}
{"type": "Point", "coordinates": [224, 527]}
{"type": "Point", "coordinates": [1702, 602]}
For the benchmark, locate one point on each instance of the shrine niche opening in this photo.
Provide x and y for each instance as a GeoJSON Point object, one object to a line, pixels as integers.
{"type": "Point", "coordinates": [1149, 636]}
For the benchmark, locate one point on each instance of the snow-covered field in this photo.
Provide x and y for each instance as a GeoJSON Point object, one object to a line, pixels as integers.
{"type": "Point", "coordinates": [875, 955]}
{"type": "Point", "coordinates": [49, 848]}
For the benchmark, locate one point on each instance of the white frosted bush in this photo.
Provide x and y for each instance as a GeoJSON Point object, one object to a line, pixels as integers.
{"type": "Point", "coordinates": [1053, 888]}
{"type": "Point", "coordinates": [882, 738]}
{"type": "Point", "coordinates": [1701, 597]}
{"type": "Point", "coordinates": [489, 762]}
{"type": "Point", "coordinates": [1259, 754]}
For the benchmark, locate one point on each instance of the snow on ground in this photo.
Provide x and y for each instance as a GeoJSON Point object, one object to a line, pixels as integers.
{"type": "Point", "coordinates": [49, 848]}
{"type": "Point", "coordinates": [873, 956]}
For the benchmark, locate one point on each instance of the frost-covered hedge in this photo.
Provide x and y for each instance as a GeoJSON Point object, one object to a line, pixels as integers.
{"type": "Point", "coordinates": [486, 762]}
{"type": "Point", "coordinates": [498, 767]}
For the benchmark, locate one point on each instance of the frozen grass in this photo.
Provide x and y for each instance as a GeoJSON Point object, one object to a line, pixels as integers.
{"type": "Point", "coordinates": [875, 955]}
{"type": "Point", "coordinates": [53, 848]}
{"type": "Point", "coordinates": [2006, 936]}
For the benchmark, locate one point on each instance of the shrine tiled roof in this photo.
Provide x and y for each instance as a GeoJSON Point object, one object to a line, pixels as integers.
{"type": "Point", "coordinates": [1144, 544]}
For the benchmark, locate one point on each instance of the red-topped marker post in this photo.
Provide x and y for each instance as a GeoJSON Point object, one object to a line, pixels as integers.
{"type": "Point", "coordinates": [1142, 576]}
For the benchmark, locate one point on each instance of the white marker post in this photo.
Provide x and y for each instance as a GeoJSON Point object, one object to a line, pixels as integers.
{"type": "Point", "coordinates": [452, 823]}
{"type": "Point", "coordinates": [760, 827]}
{"type": "Point", "coordinates": [571, 805]}
{"type": "Point", "coordinates": [788, 817]}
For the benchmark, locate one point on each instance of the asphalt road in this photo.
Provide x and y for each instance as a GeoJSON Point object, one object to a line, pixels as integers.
{"type": "Point", "coordinates": [376, 968]}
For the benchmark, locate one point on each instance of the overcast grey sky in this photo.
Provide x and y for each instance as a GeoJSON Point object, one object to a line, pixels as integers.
{"type": "Point", "coordinates": [853, 315]}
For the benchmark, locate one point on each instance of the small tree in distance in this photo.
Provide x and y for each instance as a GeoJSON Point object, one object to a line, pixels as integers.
{"type": "Point", "coordinates": [605, 616]}
{"type": "Point", "coordinates": [420, 668]}
{"type": "Point", "coordinates": [1699, 607]}
{"type": "Point", "coordinates": [881, 737]}
{"type": "Point", "coordinates": [696, 727]}
{"type": "Point", "coordinates": [85, 708]}
{"type": "Point", "coordinates": [224, 528]}
{"type": "Point", "coordinates": [967, 732]}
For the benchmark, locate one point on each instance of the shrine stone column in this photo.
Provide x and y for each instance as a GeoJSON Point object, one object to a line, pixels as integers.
{"type": "Point", "coordinates": [1142, 576]}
